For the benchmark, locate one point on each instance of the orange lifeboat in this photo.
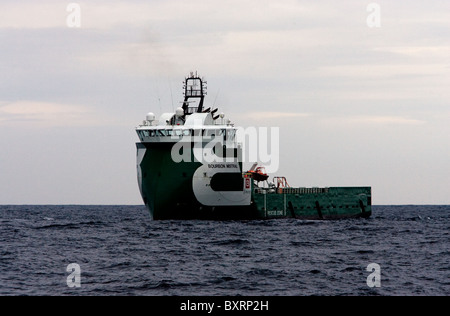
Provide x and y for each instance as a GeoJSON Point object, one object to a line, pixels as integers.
{"type": "Point", "coordinates": [258, 174]}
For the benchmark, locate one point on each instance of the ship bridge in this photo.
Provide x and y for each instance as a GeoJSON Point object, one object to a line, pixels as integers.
{"type": "Point", "coordinates": [197, 125]}
{"type": "Point", "coordinates": [189, 120]}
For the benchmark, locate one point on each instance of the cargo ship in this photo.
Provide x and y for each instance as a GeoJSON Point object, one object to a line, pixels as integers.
{"type": "Point", "coordinates": [190, 166]}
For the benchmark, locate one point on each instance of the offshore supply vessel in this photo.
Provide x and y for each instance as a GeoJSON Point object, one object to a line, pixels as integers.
{"type": "Point", "coordinates": [190, 166]}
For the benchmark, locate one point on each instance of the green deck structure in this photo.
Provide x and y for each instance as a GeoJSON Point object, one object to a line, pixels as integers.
{"type": "Point", "coordinates": [313, 203]}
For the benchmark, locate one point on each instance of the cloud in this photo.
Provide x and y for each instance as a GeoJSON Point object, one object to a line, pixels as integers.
{"type": "Point", "coordinates": [434, 51]}
{"type": "Point", "coordinates": [46, 114]}
{"type": "Point", "coordinates": [381, 71]}
{"type": "Point", "coordinates": [274, 115]}
{"type": "Point", "coordinates": [195, 13]}
{"type": "Point", "coordinates": [374, 120]}
{"type": "Point", "coordinates": [33, 14]}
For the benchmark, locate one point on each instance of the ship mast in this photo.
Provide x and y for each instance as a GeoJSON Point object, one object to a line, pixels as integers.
{"type": "Point", "coordinates": [194, 88]}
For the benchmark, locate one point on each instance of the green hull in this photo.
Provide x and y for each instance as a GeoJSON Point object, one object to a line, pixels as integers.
{"type": "Point", "coordinates": [167, 190]}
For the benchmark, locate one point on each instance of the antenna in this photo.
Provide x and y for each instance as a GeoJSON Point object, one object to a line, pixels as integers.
{"type": "Point", "coordinates": [157, 95]}
{"type": "Point", "coordinates": [171, 94]}
{"type": "Point", "coordinates": [214, 104]}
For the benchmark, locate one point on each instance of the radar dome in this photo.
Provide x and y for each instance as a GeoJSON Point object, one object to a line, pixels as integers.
{"type": "Point", "coordinates": [179, 112]}
{"type": "Point", "coordinates": [150, 116]}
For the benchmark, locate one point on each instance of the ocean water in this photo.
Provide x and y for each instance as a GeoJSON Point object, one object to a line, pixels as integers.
{"type": "Point", "coordinates": [120, 251]}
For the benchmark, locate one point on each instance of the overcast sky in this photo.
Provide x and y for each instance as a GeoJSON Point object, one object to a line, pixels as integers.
{"type": "Point", "coordinates": [356, 105]}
